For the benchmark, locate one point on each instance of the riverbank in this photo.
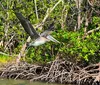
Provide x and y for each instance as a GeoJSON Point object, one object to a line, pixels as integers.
{"type": "Point", "coordinates": [58, 71]}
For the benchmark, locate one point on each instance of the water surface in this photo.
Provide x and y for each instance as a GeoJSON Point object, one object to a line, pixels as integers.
{"type": "Point", "coordinates": [23, 82]}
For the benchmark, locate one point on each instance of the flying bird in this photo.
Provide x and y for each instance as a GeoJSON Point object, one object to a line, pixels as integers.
{"type": "Point", "coordinates": [39, 38]}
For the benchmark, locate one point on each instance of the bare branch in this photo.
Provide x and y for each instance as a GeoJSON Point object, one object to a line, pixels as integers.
{"type": "Point", "coordinates": [36, 10]}
{"type": "Point", "coordinates": [48, 12]}
{"type": "Point", "coordinates": [90, 31]}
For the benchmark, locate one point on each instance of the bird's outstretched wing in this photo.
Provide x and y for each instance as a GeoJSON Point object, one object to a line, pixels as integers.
{"type": "Point", "coordinates": [47, 35]}
{"type": "Point", "coordinates": [27, 26]}
{"type": "Point", "coordinates": [48, 31]}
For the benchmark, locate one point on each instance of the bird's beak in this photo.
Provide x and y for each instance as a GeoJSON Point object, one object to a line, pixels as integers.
{"type": "Point", "coordinates": [52, 39]}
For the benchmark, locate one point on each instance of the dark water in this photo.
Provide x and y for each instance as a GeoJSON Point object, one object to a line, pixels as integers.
{"type": "Point", "coordinates": [23, 82]}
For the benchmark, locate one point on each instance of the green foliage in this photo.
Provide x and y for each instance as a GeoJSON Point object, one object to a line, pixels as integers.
{"type": "Point", "coordinates": [5, 58]}
{"type": "Point", "coordinates": [72, 46]}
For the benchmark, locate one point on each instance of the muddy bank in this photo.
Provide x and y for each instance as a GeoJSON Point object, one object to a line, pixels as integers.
{"type": "Point", "coordinates": [59, 71]}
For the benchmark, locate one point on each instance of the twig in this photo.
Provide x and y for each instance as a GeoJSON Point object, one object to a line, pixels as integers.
{"type": "Point", "coordinates": [91, 2]}
{"type": "Point", "coordinates": [36, 10]}
{"type": "Point", "coordinates": [4, 54]}
{"type": "Point", "coordinates": [48, 12]}
{"type": "Point", "coordinates": [8, 42]}
{"type": "Point", "coordinates": [90, 31]}
{"type": "Point", "coordinates": [98, 28]}
{"type": "Point", "coordinates": [2, 7]}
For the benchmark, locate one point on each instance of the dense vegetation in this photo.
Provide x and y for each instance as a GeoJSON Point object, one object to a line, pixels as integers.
{"type": "Point", "coordinates": [77, 27]}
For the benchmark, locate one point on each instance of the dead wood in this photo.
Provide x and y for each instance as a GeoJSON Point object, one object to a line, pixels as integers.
{"type": "Point", "coordinates": [60, 71]}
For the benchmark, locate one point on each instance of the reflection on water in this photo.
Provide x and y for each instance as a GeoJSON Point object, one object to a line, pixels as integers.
{"type": "Point", "coordinates": [22, 82]}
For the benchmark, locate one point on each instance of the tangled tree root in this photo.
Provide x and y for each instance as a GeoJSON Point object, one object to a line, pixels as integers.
{"type": "Point", "coordinates": [60, 71]}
